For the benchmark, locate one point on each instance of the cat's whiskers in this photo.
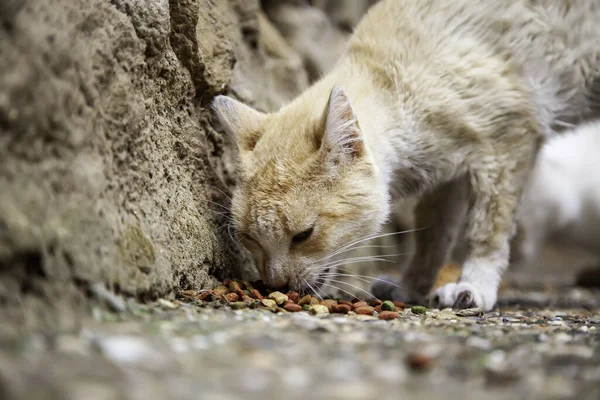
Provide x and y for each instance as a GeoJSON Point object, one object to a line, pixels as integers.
{"type": "Point", "coordinates": [363, 278]}
{"type": "Point", "coordinates": [351, 285]}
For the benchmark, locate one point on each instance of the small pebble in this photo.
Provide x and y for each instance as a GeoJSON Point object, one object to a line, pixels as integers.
{"type": "Point", "coordinates": [231, 297]}
{"type": "Point", "coordinates": [418, 310]}
{"type": "Point", "coordinates": [279, 297]}
{"type": "Point", "coordinates": [387, 315]}
{"type": "Point", "coordinates": [292, 307]}
{"type": "Point", "coordinates": [364, 310]}
{"type": "Point", "coordinates": [167, 304]}
{"type": "Point", "coordinates": [388, 306]}
{"type": "Point", "coordinates": [319, 309]}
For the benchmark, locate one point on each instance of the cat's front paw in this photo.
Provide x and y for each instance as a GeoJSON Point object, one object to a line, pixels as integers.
{"type": "Point", "coordinates": [386, 287]}
{"type": "Point", "coordinates": [464, 295]}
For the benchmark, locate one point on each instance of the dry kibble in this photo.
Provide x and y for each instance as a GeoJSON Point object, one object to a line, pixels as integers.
{"type": "Point", "coordinates": [419, 361]}
{"type": "Point", "coordinates": [376, 302]}
{"type": "Point", "coordinates": [237, 305]}
{"type": "Point", "coordinates": [306, 307]}
{"type": "Point", "coordinates": [279, 297]}
{"type": "Point", "coordinates": [234, 286]}
{"type": "Point", "coordinates": [247, 299]}
{"type": "Point", "coordinates": [318, 309]}
{"type": "Point", "coordinates": [292, 307]}
{"type": "Point", "coordinates": [314, 301]}
{"type": "Point", "coordinates": [388, 306]}
{"type": "Point", "coordinates": [220, 290]}
{"type": "Point", "coordinates": [399, 304]}
{"type": "Point", "coordinates": [293, 296]}
{"type": "Point", "coordinates": [378, 308]}
{"type": "Point", "coordinates": [305, 300]}
{"type": "Point", "coordinates": [387, 315]}
{"type": "Point", "coordinates": [346, 302]}
{"type": "Point", "coordinates": [231, 297]}
{"type": "Point", "coordinates": [329, 303]}
{"type": "Point", "coordinates": [206, 295]}
{"type": "Point", "coordinates": [419, 310]}
{"type": "Point", "coordinates": [359, 304]}
{"type": "Point", "coordinates": [270, 304]}
{"type": "Point", "coordinates": [256, 294]}
{"type": "Point", "coordinates": [341, 308]}
{"type": "Point", "coordinates": [364, 310]}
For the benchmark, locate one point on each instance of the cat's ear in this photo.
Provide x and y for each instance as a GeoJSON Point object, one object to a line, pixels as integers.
{"type": "Point", "coordinates": [239, 121]}
{"type": "Point", "coordinates": [343, 136]}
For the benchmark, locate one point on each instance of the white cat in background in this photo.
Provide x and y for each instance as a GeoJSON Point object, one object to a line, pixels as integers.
{"type": "Point", "coordinates": [563, 194]}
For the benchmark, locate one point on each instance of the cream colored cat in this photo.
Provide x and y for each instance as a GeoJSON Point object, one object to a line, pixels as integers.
{"type": "Point", "coordinates": [450, 100]}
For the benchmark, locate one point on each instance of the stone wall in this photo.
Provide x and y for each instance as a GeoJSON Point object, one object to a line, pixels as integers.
{"type": "Point", "coordinates": [112, 172]}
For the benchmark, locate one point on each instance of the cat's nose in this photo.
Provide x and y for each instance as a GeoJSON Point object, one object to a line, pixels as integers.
{"type": "Point", "coordinates": [275, 277]}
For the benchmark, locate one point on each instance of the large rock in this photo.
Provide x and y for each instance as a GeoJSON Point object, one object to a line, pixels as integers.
{"type": "Point", "coordinates": [110, 169]}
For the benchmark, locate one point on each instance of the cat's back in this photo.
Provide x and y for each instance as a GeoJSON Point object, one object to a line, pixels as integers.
{"type": "Point", "coordinates": [554, 46]}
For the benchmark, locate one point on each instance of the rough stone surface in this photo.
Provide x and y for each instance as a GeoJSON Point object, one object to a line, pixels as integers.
{"type": "Point", "coordinates": [194, 351]}
{"type": "Point", "coordinates": [111, 170]}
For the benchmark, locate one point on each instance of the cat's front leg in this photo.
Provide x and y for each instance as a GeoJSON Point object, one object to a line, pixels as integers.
{"type": "Point", "coordinates": [439, 216]}
{"type": "Point", "coordinates": [495, 189]}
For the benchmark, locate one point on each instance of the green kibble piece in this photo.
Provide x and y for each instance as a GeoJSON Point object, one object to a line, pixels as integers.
{"type": "Point", "coordinates": [237, 305]}
{"type": "Point", "coordinates": [388, 306]}
{"type": "Point", "coordinates": [246, 292]}
{"type": "Point", "coordinates": [418, 309]}
{"type": "Point", "coordinates": [306, 307]}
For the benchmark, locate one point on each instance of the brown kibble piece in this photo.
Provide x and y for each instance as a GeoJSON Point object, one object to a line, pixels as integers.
{"type": "Point", "coordinates": [341, 308]}
{"type": "Point", "coordinates": [419, 361]}
{"type": "Point", "coordinates": [220, 290]}
{"type": "Point", "coordinates": [329, 303]}
{"type": "Point", "coordinates": [247, 299]}
{"type": "Point", "coordinates": [293, 296]}
{"type": "Point", "coordinates": [305, 300]}
{"type": "Point", "coordinates": [346, 302]}
{"type": "Point", "coordinates": [231, 297]}
{"type": "Point", "coordinates": [206, 295]}
{"type": "Point", "coordinates": [399, 304]}
{"type": "Point", "coordinates": [314, 301]}
{"type": "Point", "coordinates": [234, 286]}
{"type": "Point", "coordinates": [292, 307]}
{"type": "Point", "coordinates": [378, 308]}
{"type": "Point", "coordinates": [364, 310]}
{"type": "Point", "coordinates": [359, 304]}
{"type": "Point", "coordinates": [375, 302]}
{"type": "Point", "coordinates": [256, 294]}
{"type": "Point", "coordinates": [240, 293]}
{"type": "Point", "coordinates": [226, 282]}
{"type": "Point", "coordinates": [387, 315]}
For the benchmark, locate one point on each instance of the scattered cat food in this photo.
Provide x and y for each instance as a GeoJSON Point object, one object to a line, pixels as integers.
{"type": "Point", "coordinates": [419, 361]}
{"type": "Point", "coordinates": [279, 297]}
{"type": "Point", "coordinates": [419, 310]}
{"type": "Point", "coordinates": [388, 315]}
{"type": "Point", "coordinates": [242, 294]}
{"type": "Point", "coordinates": [388, 306]}
{"type": "Point", "coordinates": [318, 309]}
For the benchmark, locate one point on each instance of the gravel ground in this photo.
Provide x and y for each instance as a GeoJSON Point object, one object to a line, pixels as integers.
{"type": "Point", "coordinates": [191, 351]}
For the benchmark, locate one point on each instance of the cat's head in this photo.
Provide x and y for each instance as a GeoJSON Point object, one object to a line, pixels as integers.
{"type": "Point", "coordinates": [308, 187]}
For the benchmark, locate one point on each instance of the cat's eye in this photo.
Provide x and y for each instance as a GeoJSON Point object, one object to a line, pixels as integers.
{"type": "Point", "coordinates": [302, 236]}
